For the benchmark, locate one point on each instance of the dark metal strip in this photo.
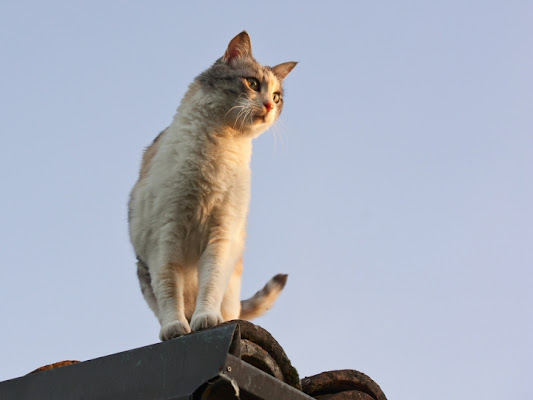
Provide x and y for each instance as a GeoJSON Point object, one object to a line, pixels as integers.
{"type": "Point", "coordinates": [258, 383]}
{"type": "Point", "coordinates": [171, 370]}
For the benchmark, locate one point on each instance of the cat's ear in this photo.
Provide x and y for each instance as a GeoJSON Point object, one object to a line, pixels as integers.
{"type": "Point", "coordinates": [282, 70]}
{"type": "Point", "coordinates": [240, 46]}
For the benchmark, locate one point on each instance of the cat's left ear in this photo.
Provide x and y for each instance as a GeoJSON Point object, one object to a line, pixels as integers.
{"type": "Point", "coordinates": [282, 70]}
{"type": "Point", "coordinates": [240, 46]}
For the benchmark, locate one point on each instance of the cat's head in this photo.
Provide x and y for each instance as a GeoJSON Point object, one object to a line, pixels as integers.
{"type": "Point", "coordinates": [249, 95]}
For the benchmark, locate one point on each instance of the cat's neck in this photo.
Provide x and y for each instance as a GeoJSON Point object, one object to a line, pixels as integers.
{"type": "Point", "coordinates": [206, 139]}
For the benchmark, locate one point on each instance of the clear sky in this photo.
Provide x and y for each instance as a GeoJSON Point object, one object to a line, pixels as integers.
{"type": "Point", "coordinates": [397, 192]}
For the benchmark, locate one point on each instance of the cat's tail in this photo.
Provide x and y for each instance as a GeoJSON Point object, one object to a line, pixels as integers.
{"type": "Point", "coordinates": [264, 299]}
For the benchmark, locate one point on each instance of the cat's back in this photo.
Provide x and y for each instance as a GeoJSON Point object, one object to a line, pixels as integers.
{"type": "Point", "coordinates": [148, 156]}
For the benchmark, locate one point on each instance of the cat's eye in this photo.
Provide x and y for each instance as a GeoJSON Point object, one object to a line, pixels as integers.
{"type": "Point", "coordinates": [252, 84]}
{"type": "Point", "coordinates": [276, 97]}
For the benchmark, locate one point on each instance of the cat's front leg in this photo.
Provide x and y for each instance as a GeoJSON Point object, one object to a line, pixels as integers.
{"type": "Point", "coordinates": [214, 271]}
{"type": "Point", "coordinates": [168, 290]}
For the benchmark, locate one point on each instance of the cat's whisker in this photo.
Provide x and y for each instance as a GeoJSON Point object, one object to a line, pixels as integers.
{"type": "Point", "coordinates": [274, 133]}
{"type": "Point", "coordinates": [278, 129]}
{"type": "Point", "coordinates": [242, 113]}
{"type": "Point", "coordinates": [283, 132]}
{"type": "Point", "coordinates": [242, 108]}
{"type": "Point", "coordinates": [231, 109]}
{"type": "Point", "coordinates": [245, 116]}
{"type": "Point", "coordinates": [278, 136]}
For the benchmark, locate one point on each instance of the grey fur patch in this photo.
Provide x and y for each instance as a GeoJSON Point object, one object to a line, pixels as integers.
{"type": "Point", "coordinates": [145, 281]}
{"type": "Point", "coordinates": [144, 275]}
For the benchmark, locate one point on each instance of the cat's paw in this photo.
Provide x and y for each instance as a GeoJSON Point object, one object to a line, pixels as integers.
{"type": "Point", "coordinates": [205, 319]}
{"type": "Point", "coordinates": [174, 329]}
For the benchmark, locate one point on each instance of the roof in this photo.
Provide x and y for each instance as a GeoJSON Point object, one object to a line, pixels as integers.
{"type": "Point", "coordinates": [234, 360]}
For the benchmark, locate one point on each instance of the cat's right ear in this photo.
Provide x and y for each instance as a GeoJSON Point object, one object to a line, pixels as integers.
{"type": "Point", "coordinates": [240, 46]}
{"type": "Point", "coordinates": [282, 70]}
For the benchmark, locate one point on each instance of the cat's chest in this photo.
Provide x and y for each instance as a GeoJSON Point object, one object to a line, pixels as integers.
{"type": "Point", "coordinates": [195, 181]}
{"type": "Point", "coordinates": [197, 188]}
{"type": "Point", "coordinates": [208, 187]}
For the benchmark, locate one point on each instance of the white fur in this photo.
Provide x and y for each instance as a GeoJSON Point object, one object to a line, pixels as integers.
{"type": "Point", "coordinates": [188, 211]}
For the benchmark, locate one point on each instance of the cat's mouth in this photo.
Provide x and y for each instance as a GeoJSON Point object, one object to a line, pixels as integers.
{"type": "Point", "coordinates": [262, 117]}
{"type": "Point", "coordinates": [255, 119]}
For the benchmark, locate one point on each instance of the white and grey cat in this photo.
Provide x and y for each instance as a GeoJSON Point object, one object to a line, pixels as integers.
{"type": "Point", "coordinates": [188, 209]}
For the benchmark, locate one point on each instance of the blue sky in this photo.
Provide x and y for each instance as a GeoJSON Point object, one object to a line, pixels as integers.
{"type": "Point", "coordinates": [396, 192]}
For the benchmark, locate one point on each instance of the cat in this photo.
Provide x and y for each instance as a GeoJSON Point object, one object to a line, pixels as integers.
{"type": "Point", "coordinates": [188, 210]}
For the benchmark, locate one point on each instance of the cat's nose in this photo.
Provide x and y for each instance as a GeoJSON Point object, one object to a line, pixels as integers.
{"type": "Point", "coordinates": [269, 106]}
